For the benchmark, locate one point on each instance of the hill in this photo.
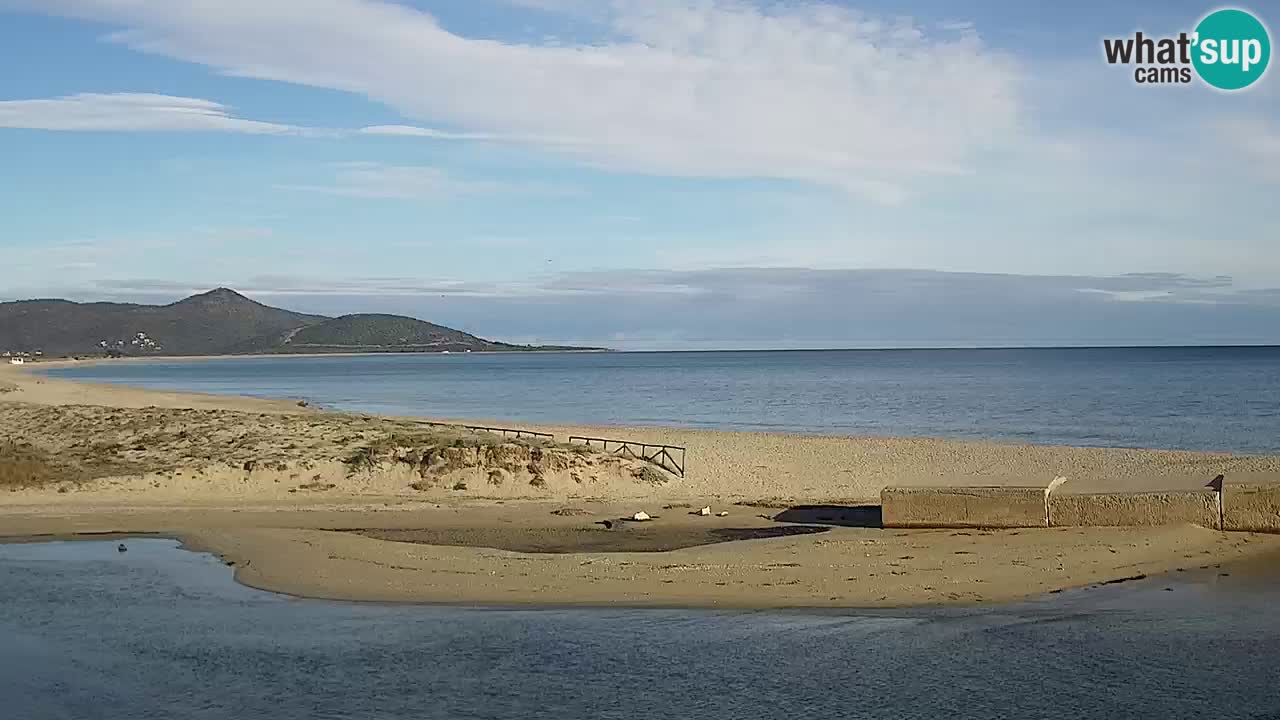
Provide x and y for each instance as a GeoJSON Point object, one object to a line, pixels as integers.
{"type": "Point", "coordinates": [208, 323]}
{"type": "Point", "coordinates": [217, 322]}
{"type": "Point", "coordinates": [359, 332]}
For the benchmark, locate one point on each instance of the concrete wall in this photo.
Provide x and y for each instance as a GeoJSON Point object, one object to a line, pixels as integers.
{"type": "Point", "coordinates": [1248, 506]}
{"type": "Point", "coordinates": [1175, 507]}
{"type": "Point", "coordinates": [1245, 503]}
{"type": "Point", "coordinates": [991, 507]}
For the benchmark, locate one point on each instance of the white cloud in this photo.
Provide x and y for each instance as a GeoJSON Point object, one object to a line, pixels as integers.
{"type": "Point", "coordinates": [699, 88]}
{"type": "Point", "coordinates": [431, 133]}
{"type": "Point", "coordinates": [412, 131]}
{"type": "Point", "coordinates": [131, 112]}
{"type": "Point", "coordinates": [413, 182]}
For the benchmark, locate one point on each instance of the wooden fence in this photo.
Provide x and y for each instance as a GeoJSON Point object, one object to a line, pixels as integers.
{"type": "Point", "coordinates": [667, 457]}
{"type": "Point", "coordinates": [505, 432]}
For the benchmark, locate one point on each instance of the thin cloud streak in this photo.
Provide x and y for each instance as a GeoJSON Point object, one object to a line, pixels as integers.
{"type": "Point", "coordinates": [121, 112]}
{"type": "Point", "coordinates": [784, 307]}
{"type": "Point", "coordinates": [369, 180]}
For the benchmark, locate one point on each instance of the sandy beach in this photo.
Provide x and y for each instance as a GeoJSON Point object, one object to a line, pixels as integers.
{"type": "Point", "coordinates": [356, 507]}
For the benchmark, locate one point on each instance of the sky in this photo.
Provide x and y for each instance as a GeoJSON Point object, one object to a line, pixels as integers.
{"type": "Point", "coordinates": [644, 174]}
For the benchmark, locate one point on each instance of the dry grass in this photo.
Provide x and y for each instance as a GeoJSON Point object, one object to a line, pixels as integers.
{"type": "Point", "coordinates": [411, 447]}
{"type": "Point", "coordinates": [651, 475]}
{"type": "Point", "coordinates": [78, 443]}
{"type": "Point", "coordinates": [107, 442]}
{"type": "Point", "coordinates": [23, 465]}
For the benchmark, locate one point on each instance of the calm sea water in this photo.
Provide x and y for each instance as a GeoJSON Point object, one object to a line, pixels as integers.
{"type": "Point", "coordinates": [1189, 398]}
{"type": "Point", "coordinates": [157, 632]}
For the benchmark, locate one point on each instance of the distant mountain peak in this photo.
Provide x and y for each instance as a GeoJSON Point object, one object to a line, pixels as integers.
{"type": "Point", "coordinates": [216, 295]}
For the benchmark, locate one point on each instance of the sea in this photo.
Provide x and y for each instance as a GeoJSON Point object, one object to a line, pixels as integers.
{"type": "Point", "coordinates": [1195, 398]}
{"type": "Point", "coordinates": [157, 632]}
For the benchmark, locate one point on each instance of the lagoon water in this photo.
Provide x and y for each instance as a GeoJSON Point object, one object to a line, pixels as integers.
{"type": "Point", "coordinates": [1225, 399]}
{"type": "Point", "coordinates": [158, 632]}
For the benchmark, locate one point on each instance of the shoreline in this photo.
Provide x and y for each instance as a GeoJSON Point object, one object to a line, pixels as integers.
{"type": "Point", "coordinates": [302, 544]}
{"type": "Point", "coordinates": [233, 401]}
{"type": "Point", "coordinates": [1254, 571]}
{"type": "Point", "coordinates": [331, 565]}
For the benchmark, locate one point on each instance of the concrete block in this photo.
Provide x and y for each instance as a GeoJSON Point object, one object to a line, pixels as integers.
{"type": "Point", "coordinates": [1254, 507]}
{"type": "Point", "coordinates": [1172, 507]}
{"type": "Point", "coordinates": [963, 507]}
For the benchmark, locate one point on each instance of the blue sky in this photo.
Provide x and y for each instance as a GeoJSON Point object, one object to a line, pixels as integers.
{"type": "Point", "coordinates": [643, 173]}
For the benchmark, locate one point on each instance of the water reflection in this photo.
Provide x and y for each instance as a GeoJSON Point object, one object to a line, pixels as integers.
{"type": "Point", "coordinates": [157, 632]}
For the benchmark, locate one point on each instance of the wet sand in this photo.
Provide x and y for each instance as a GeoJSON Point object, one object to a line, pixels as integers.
{"type": "Point", "coordinates": [840, 568]}
{"type": "Point", "coordinates": [799, 531]}
{"type": "Point", "coordinates": [617, 539]}
{"type": "Point", "coordinates": [523, 554]}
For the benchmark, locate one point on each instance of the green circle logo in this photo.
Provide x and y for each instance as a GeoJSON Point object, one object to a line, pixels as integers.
{"type": "Point", "coordinates": [1232, 49]}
